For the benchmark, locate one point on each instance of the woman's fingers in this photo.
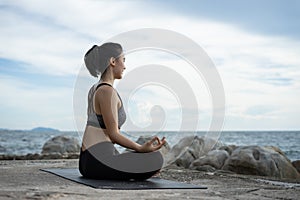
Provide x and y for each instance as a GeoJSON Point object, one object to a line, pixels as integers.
{"type": "Point", "coordinates": [159, 146]}
{"type": "Point", "coordinates": [155, 139]}
{"type": "Point", "coordinates": [161, 142]}
{"type": "Point", "coordinates": [153, 147]}
{"type": "Point", "coordinates": [158, 141]}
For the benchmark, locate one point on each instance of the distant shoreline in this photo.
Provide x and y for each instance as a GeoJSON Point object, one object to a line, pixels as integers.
{"type": "Point", "coordinates": [42, 129]}
{"type": "Point", "coordinates": [22, 142]}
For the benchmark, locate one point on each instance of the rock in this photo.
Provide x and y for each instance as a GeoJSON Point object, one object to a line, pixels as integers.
{"type": "Point", "coordinates": [61, 145]}
{"type": "Point", "coordinates": [30, 156]}
{"type": "Point", "coordinates": [263, 161]}
{"type": "Point", "coordinates": [53, 155]}
{"type": "Point", "coordinates": [71, 156]}
{"type": "Point", "coordinates": [178, 148]}
{"type": "Point", "coordinates": [189, 149]}
{"type": "Point", "coordinates": [296, 164]}
{"type": "Point", "coordinates": [229, 148]}
{"type": "Point", "coordinates": [276, 149]}
{"type": "Point", "coordinates": [6, 157]}
{"type": "Point", "coordinates": [37, 156]}
{"type": "Point", "coordinates": [204, 168]}
{"type": "Point", "coordinates": [185, 151]}
{"type": "Point", "coordinates": [215, 158]}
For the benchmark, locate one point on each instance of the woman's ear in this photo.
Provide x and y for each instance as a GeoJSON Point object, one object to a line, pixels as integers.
{"type": "Point", "coordinates": [112, 61]}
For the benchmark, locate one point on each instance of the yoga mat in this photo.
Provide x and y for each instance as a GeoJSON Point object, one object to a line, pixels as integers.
{"type": "Point", "coordinates": [152, 183]}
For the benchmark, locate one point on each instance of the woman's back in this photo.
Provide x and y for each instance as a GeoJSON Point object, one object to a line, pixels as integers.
{"type": "Point", "coordinates": [93, 133]}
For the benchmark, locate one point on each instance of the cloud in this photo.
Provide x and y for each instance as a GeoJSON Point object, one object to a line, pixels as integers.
{"type": "Point", "coordinates": [24, 106]}
{"type": "Point", "coordinates": [268, 17]}
{"type": "Point", "coordinates": [45, 40]}
{"type": "Point", "coordinates": [260, 110]}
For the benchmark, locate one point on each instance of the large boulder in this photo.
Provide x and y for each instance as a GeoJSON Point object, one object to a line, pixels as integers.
{"type": "Point", "coordinates": [189, 149]}
{"type": "Point", "coordinates": [228, 148]}
{"type": "Point", "coordinates": [296, 164]}
{"type": "Point", "coordinates": [61, 145]}
{"type": "Point", "coordinates": [214, 158]}
{"type": "Point", "coordinates": [263, 161]}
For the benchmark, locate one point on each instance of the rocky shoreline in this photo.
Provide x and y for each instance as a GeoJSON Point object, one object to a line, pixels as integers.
{"type": "Point", "coordinates": [193, 153]}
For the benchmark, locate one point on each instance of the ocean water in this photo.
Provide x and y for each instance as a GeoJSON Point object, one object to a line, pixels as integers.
{"type": "Point", "coordinates": [17, 142]}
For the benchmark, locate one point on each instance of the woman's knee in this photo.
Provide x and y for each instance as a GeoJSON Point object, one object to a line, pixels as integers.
{"type": "Point", "coordinates": [158, 158]}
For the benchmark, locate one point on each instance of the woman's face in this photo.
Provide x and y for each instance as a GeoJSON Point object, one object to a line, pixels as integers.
{"type": "Point", "coordinates": [119, 67]}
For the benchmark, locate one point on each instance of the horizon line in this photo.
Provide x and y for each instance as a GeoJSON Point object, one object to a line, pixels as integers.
{"type": "Point", "coordinates": [226, 130]}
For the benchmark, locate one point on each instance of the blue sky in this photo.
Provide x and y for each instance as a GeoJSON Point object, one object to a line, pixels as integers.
{"type": "Point", "coordinates": [270, 17]}
{"type": "Point", "coordinates": [255, 46]}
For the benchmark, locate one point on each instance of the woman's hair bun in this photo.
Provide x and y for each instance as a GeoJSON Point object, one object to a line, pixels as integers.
{"type": "Point", "coordinates": [97, 58]}
{"type": "Point", "coordinates": [90, 59]}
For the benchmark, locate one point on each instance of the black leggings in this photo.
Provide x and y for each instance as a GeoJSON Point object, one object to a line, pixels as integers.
{"type": "Point", "coordinates": [103, 161]}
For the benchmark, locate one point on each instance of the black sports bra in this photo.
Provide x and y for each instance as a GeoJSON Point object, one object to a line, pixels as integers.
{"type": "Point", "coordinates": [98, 120]}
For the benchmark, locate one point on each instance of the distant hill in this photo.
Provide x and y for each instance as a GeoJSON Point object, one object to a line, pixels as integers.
{"type": "Point", "coordinates": [44, 129]}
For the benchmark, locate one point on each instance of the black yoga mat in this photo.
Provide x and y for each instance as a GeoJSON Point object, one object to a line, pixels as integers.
{"type": "Point", "coordinates": [152, 183]}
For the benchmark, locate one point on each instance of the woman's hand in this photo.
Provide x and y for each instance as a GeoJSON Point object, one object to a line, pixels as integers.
{"type": "Point", "coordinates": [152, 145]}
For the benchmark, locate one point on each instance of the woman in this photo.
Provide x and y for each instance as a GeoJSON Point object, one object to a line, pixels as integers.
{"type": "Point", "coordinates": [99, 159]}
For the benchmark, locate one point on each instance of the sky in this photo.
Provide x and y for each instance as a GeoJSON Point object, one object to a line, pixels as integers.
{"type": "Point", "coordinates": [254, 45]}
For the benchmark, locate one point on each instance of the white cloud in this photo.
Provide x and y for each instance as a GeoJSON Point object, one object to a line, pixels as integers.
{"type": "Point", "coordinates": [25, 106]}
{"type": "Point", "coordinates": [53, 37]}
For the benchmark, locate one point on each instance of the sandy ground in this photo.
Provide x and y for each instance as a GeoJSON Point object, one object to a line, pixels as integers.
{"type": "Point", "coordinates": [22, 179]}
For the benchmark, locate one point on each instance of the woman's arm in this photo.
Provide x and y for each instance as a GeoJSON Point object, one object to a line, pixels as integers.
{"type": "Point", "coordinates": [108, 99]}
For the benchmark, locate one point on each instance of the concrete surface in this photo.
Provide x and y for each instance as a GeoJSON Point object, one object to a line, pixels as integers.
{"type": "Point", "coordinates": [22, 179]}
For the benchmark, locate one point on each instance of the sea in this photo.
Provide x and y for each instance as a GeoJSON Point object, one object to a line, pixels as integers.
{"type": "Point", "coordinates": [22, 142]}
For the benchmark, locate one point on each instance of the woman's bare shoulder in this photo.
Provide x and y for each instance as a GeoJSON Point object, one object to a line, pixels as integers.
{"type": "Point", "coordinates": [105, 92]}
